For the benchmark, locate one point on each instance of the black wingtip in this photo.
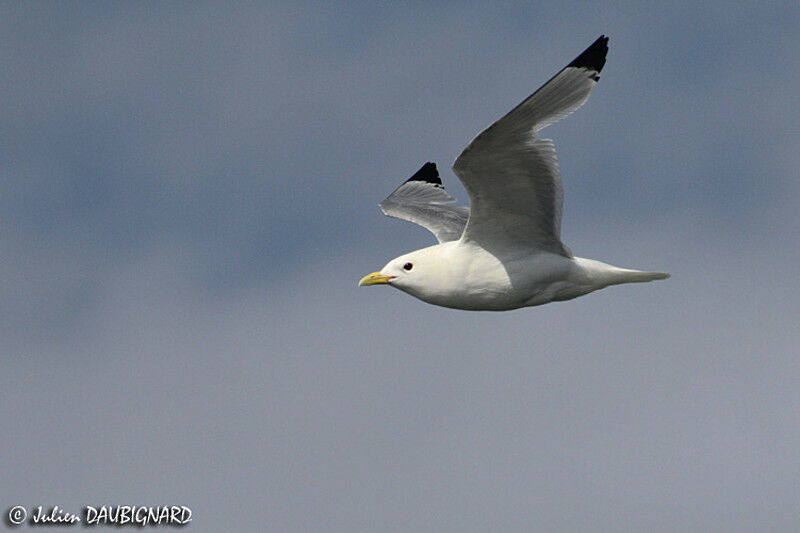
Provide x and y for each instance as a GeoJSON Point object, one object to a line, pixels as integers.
{"type": "Point", "coordinates": [428, 174]}
{"type": "Point", "coordinates": [594, 57]}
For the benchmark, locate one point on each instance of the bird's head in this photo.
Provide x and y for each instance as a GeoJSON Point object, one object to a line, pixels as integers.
{"type": "Point", "coordinates": [416, 273]}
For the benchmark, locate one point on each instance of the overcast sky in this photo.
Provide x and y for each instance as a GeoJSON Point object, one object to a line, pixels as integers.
{"type": "Point", "coordinates": [188, 197]}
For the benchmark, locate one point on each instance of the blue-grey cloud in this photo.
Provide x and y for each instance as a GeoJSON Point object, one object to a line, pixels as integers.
{"type": "Point", "coordinates": [189, 198]}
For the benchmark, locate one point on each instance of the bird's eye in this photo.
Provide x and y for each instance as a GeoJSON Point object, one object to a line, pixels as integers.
{"type": "Point", "coordinates": [408, 266]}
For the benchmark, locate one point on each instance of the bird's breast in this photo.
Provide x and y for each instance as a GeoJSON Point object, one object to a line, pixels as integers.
{"type": "Point", "coordinates": [471, 279]}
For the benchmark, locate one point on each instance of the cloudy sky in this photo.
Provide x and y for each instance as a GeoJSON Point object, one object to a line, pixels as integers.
{"type": "Point", "coordinates": [188, 198]}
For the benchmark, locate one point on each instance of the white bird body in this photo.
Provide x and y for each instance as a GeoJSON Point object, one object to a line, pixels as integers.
{"type": "Point", "coordinates": [504, 251]}
{"type": "Point", "coordinates": [463, 275]}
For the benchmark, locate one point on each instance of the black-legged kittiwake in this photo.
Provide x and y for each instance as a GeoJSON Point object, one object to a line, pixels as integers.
{"type": "Point", "coordinates": [504, 251]}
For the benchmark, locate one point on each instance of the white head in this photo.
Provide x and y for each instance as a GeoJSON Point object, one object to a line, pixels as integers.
{"type": "Point", "coordinates": [424, 273]}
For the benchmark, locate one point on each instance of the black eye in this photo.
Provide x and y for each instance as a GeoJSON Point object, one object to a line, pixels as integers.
{"type": "Point", "coordinates": [408, 266]}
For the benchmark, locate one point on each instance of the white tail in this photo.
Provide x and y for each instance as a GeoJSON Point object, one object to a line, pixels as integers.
{"type": "Point", "coordinates": [602, 274]}
{"type": "Point", "coordinates": [637, 276]}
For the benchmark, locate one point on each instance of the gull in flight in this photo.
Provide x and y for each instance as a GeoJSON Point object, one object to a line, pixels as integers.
{"type": "Point", "coordinates": [504, 251]}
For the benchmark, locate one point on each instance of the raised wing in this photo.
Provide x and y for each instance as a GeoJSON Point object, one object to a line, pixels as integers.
{"type": "Point", "coordinates": [512, 178]}
{"type": "Point", "coordinates": [422, 200]}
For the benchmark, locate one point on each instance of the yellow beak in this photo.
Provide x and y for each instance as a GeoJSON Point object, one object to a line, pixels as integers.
{"type": "Point", "coordinates": [376, 278]}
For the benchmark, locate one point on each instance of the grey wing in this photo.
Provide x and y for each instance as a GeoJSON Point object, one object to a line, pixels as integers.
{"type": "Point", "coordinates": [423, 200]}
{"type": "Point", "coordinates": [512, 178]}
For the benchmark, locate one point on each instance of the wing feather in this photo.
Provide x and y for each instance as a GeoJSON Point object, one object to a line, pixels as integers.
{"type": "Point", "coordinates": [513, 180]}
{"type": "Point", "coordinates": [423, 201]}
